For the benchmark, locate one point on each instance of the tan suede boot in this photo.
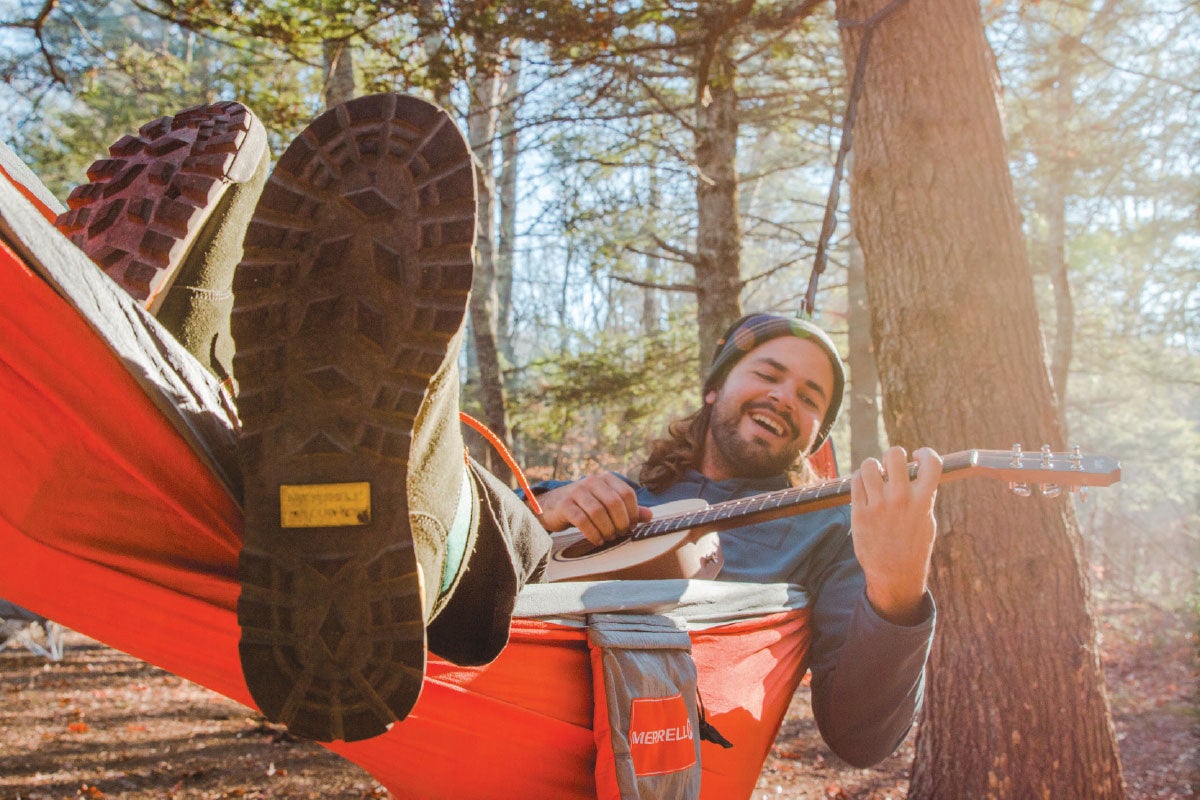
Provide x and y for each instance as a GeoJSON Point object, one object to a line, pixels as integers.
{"type": "Point", "coordinates": [164, 216]}
{"type": "Point", "coordinates": [348, 312]}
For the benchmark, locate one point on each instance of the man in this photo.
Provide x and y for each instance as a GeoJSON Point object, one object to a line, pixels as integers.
{"type": "Point", "coordinates": [368, 536]}
{"type": "Point", "coordinates": [770, 398]}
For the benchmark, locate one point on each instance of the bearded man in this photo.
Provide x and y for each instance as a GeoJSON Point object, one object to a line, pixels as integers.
{"type": "Point", "coordinates": [770, 399]}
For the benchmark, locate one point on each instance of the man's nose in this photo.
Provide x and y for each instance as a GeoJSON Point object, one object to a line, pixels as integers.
{"type": "Point", "coordinates": [781, 396]}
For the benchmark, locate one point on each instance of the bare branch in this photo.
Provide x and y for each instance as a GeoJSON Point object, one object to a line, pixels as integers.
{"type": "Point", "coordinates": [768, 273]}
{"type": "Point", "coordinates": [37, 25]}
{"type": "Point", "coordinates": [684, 255]}
{"type": "Point", "coordinates": [666, 287]}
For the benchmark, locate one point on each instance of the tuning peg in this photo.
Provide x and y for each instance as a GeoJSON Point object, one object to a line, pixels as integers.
{"type": "Point", "coordinates": [1016, 456]}
{"type": "Point", "coordinates": [1020, 489]}
{"type": "Point", "coordinates": [1046, 464]}
{"type": "Point", "coordinates": [1050, 489]}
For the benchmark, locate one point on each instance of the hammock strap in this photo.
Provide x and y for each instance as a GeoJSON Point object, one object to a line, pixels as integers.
{"type": "Point", "coordinates": [495, 442]}
{"type": "Point", "coordinates": [829, 223]}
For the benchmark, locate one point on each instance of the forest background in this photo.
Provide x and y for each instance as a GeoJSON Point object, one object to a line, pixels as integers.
{"type": "Point", "coordinates": [600, 131]}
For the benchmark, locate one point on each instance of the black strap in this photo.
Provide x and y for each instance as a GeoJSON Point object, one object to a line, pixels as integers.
{"type": "Point", "coordinates": [707, 732]}
{"type": "Point", "coordinates": [829, 223]}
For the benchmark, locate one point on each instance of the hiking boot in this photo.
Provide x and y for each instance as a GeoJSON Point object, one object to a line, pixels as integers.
{"type": "Point", "coordinates": [164, 216]}
{"type": "Point", "coordinates": [348, 312]}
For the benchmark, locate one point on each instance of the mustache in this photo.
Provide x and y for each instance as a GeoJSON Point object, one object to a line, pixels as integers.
{"type": "Point", "coordinates": [792, 427]}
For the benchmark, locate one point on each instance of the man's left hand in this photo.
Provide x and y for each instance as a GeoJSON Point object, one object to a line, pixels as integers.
{"type": "Point", "coordinates": [893, 526]}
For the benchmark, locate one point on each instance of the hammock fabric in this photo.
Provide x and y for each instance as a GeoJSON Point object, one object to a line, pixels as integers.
{"type": "Point", "coordinates": [113, 523]}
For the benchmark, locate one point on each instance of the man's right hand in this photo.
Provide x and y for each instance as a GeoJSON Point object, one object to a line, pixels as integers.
{"type": "Point", "coordinates": [603, 507]}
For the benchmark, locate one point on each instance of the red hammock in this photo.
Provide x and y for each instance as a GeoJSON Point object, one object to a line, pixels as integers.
{"type": "Point", "coordinates": [113, 525]}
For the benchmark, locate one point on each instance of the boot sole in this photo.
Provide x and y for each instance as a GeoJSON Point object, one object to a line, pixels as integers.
{"type": "Point", "coordinates": [355, 277]}
{"type": "Point", "coordinates": [146, 204]}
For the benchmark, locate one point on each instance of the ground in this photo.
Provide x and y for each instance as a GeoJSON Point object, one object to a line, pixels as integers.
{"type": "Point", "coordinates": [101, 724]}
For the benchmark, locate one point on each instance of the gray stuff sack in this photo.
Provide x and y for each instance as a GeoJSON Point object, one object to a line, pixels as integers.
{"type": "Point", "coordinates": [646, 719]}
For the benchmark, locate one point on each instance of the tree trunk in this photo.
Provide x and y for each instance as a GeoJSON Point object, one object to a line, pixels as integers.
{"type": "Point", "coordinates": [431, 22]}
{"type": "Point", "coordinates": [652, 263]}
{"type": "Point", "coordinates": [339, 71]}
{"type": "Point", "coordinates": [1015, 706]}
{"type": "Point", "coordinates": [864, 378]}
{"type": "Point", "coordinates": [481, 130]}
{"type": "Point", "coordinates": [1057, 172]}
{"type": "Point", "coordinates": [718, 234]}
{"type": "Point", "coordinates": [506, 249]}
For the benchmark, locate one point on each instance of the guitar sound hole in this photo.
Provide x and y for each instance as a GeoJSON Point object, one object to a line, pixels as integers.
{"type": "Point", "coordinates": [583, 548]}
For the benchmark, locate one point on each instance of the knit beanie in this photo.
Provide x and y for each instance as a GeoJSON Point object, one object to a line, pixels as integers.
{"type": "Point", "coordinates": [752, 330]}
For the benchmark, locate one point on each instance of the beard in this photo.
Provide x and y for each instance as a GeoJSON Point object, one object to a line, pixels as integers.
{"type": "Point", "coordinates": [746, 457]}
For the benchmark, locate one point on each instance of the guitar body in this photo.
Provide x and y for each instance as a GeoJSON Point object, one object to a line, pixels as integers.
{"type": "Point", "coordinates": [694, 553]}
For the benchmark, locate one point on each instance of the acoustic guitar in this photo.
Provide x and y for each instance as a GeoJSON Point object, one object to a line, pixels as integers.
{"type": "Point", "coordinates": [682, 540]}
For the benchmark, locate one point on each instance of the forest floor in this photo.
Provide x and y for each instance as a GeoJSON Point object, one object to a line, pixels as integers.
{"type": "Point", "coordinates": [101, 724]}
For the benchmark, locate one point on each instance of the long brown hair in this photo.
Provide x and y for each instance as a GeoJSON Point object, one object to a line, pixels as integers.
{"type": "Point", "coordinates": [679, 451]}
{"type": "Point", "coordinates": [683, 447]}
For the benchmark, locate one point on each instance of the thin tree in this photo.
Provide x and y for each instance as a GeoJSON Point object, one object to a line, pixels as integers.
{"type": "Point", "coordinates": [484, 89]}
{"type": "Point", "coordinates": [339, 71]}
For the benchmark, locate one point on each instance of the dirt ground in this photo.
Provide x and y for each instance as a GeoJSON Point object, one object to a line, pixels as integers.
{"type": "Point", "coordinates": [101, 724]}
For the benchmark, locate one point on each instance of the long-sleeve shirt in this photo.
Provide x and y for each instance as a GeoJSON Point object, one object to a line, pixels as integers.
{"type": "Point", "coordinates": [868, 674]}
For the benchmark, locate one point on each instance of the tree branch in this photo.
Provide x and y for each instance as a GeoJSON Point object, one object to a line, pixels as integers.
{"type": "Point", "coordinates": [666, 287]}
{"type": "Point", "coordinates": [684, 255]}
{"type": "Point", "coordinates": [37, 25]}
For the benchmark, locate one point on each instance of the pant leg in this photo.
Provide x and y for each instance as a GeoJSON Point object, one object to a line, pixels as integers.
{"type": "Point", "coordinates": [510, 550]}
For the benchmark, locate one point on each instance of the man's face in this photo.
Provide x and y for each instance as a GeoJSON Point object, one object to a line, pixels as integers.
{"type": "Point", "coordinates": [768, 411]}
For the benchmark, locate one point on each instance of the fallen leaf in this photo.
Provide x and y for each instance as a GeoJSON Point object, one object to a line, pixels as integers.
{"type": "Point", "coordinates": [835, 792]}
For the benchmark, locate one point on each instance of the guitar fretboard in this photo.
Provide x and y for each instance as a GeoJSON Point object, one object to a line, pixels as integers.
{"type": "Point", "coordinates": [761, 504]}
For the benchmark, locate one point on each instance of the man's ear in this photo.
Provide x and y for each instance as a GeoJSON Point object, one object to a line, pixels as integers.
{"type": "Point", "coordinates": [711, 397]}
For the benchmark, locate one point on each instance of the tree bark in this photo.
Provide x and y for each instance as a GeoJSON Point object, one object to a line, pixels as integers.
{"type": "Point", "coordinates": [718, 233]}
{"type": "Point", "coordinates": [864, 378]}
{"type": "Point", "coordinates": [1015, 705]}
{"type": "Point", "coordinates": [339, 71]}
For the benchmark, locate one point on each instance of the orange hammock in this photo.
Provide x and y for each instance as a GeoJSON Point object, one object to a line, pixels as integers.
{"type": "Point", "coordinates": [114, 524]}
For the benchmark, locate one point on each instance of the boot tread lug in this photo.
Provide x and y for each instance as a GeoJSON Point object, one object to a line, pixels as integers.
{"type": "Point", "coordinates": [170, 174]}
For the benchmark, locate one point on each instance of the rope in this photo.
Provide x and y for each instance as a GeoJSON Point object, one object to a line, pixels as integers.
{"type": "Point", "coordinates": [829, 223]}
{"type": "Point", "coordinates": [494, 441]}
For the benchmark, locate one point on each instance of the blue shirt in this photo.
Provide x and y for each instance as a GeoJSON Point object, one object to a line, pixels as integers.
{"type": "Point", "coordinates": [868, 674]}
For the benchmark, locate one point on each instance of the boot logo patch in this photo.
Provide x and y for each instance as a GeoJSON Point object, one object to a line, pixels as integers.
{"type": "Point", "coordinates": [325, 505]}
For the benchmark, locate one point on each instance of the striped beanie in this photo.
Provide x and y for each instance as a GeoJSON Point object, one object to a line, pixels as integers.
{"type": "Point", "coordinates": [752, 330]}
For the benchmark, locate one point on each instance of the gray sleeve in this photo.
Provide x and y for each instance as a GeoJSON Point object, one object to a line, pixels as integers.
{"type": "Point", "coordinates": [868, 674]}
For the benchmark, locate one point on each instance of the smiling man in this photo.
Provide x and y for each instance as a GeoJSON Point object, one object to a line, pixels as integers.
{"type": "Point", "coordinates": [771, 397]}
{"type": "Point", "coordinates": [347, 389]}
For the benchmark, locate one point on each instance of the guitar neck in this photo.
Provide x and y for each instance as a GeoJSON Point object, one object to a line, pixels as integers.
{"type": "Point", "coordinates": [1059, 469]}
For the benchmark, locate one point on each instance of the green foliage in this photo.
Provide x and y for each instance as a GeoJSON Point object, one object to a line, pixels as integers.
{"type": "Point", "coordinates": [1138, 402]}
{"type": "Point", "coordinates": [1099, 112]}
{"type": "Point", "coordinates": [123, 68]}
{"type": "Point", "coordinates": [599, 408]}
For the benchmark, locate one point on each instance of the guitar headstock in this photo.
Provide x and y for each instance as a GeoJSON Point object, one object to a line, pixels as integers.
{"type": "Point", "coordinates": [1051, 471]}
